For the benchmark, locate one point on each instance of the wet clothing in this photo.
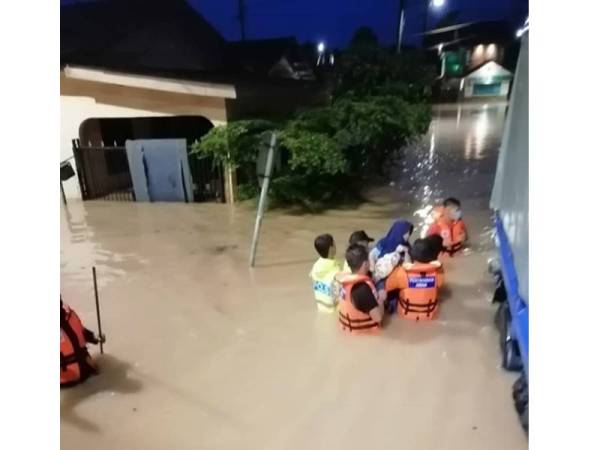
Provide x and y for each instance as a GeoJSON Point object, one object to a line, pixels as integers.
{"type": "Point", "coordinates": [418, 284]}
{"type": "Point", "coordinates": [453, 233]}
{"type": "Point", "coordinates": [76, 365]}
{"type": "Point", "coordinates": [351, 319]}
{"type": "Point", "coordinates": [394, 237]}
{"type": "Point", "coordinates": [322, 275]}
{"type": "Point", "coordinates": [363, 298]}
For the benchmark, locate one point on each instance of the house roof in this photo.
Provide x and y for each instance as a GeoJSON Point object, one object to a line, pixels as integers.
{"type": "Point", "coordinates": [259, 56]}
{"type": "Point", "coordinates": [489, 69]}
{"type": "Point", "coordinates": [141, 36]}
{"type": "Point", "coordinates": [469, 34]}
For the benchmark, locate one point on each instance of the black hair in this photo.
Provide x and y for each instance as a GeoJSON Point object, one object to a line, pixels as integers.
{"type": "Point", "coordinates": [422, 251]}
{"type": "Point", "coordinates": [437, 245]}
{"type": "Point", "coordinates": [452, 201]}
{"type": "Point", "coordinates": [356, 255]}
{"type": "Point", "coordinates": [323, 243]}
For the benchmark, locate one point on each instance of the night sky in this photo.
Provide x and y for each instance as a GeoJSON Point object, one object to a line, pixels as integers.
{"type": "Point", "coordinates": [334, 21]}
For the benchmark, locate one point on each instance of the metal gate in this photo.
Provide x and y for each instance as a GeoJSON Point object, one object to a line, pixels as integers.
{"type": "Point", "coordinates": [103, 174]}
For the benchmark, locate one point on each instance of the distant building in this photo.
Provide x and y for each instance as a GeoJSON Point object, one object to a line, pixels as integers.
{"type": "Point", "coordinates": [473, 58]}
{"type": "Point", "coordinates": [139, 69]}
{"type": "Point", "coordinates": [489, 79]}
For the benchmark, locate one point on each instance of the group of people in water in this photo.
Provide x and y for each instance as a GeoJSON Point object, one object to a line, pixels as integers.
{"type": "Point", "coordinates": [392, 275]}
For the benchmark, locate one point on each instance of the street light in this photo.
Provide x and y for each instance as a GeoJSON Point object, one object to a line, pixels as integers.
{"type": "Point", "coordinates": [321, 51]}
{"type": "Point", "coordinates": [437, 4]}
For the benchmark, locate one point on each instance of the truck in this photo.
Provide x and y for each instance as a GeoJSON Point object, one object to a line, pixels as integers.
{"type": "Point", "coordinates": [510, 205]}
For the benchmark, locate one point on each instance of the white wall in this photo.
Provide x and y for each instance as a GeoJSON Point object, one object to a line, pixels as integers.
{"type": "Point", "coordinates": [73, 111]}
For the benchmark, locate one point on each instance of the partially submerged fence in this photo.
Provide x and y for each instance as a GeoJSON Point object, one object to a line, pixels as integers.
{"type": "Point", "coordinates": [103, 173]}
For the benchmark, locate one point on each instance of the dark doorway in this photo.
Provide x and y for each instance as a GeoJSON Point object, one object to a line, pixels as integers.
{"type": "Point", "coordinates": [96, 133]}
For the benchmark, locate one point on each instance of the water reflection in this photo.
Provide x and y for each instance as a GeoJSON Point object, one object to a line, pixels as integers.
{"type": "Point", "coordinates": [457, 157]}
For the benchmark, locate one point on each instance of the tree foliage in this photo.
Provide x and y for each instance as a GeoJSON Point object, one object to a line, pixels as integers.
{"type": "Point", "coordinates": [379, 104]}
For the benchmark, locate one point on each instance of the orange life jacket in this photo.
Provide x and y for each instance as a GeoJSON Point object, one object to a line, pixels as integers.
{"type": "Point", "coordinates": [449, 230]}
{"type": "Point", "coordinates": [75, 362]}
{"type": "Point", "coordinates": [418, 301]}
{"type": "Point", "coordinates": [351, 319]}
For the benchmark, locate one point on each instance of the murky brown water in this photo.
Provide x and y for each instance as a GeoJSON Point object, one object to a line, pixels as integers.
{"type": "Point", "coordinates": [204, 353]}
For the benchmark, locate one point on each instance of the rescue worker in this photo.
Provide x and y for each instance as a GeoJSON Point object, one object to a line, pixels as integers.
{"type": "Point", "coordinates": [418, 283]}
{"type": "Point", "coordinates": [361, 308]}
{"type": "Point", "coordinates": [448, 223]}
{"type": "Point", "coordinates": [76, 364]}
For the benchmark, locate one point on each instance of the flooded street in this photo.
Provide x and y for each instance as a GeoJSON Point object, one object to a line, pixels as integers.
{"type": "Point", "coordinates": [204, 353]}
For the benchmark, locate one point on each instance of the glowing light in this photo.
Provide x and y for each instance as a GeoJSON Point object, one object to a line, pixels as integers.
{"type": "Point", "coordinates": [432, 148]}
{"type": "Point", "coordinates": [438, 3]}
{"type": "Point", "coordinates": [321, 47]}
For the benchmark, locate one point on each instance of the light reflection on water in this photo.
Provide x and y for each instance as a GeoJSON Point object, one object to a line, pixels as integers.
{"type": "Point", "coordinates": [456, 158]}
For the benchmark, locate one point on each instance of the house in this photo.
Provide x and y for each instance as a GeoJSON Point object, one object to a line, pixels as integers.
{"type": "Point", "coordinates": [139, 69]}
{"type": "Point", "coordinates": [489, 79]}
{"type": "Point", "coordinates": [469, 54]}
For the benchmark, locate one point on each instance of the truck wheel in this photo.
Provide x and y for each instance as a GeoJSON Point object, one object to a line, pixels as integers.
{"type": "Point", "coordinates": [501, 318]}
{"type": "Point", "coordinates": [511, 358]}
{"type": "Point", "coordinates": [519, 386]}
{"type": "Point", "coordinates": [524, 418]}
{"type": "Point", "coordinates": [522, 401]}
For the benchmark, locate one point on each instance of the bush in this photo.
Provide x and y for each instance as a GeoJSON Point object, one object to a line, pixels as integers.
{"type": "Point", "coordinates": [379, 105]}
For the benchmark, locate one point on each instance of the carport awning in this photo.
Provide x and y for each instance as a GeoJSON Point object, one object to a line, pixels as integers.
{"type": "Point", "coordinates": [189, 87]}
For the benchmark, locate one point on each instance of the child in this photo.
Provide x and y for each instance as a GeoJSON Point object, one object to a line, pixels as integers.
{"type": "Point", "coordinates": [323, 273]}
{"type": "Point", "coordinates": [391, 250]}
{"type": "Point", "coordinates": [361, 308]}
{"type": "Point", "coordinates": [449, 225]}
{"type": "Point", "coordinates": [418, 282]}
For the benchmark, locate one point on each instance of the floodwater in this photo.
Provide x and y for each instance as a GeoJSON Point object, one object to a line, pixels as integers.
{"type": "Point", "coordinates": [204, 353]}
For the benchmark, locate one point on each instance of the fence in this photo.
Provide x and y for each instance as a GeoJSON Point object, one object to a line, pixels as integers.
{"type": "Point", "coordinates": [103, 173]}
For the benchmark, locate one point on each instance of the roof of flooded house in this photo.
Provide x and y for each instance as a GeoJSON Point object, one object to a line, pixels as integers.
{"type": "Point", "coordinates": [260, 55]}
{"type": "Point", "coordinates": [469, 34]}
{"type": "Point", "coordinates": [489, 69]}
{"type": "Point", "coordinates": [162, 38]}
{"type": "Point", "coordinates": [140, 36]}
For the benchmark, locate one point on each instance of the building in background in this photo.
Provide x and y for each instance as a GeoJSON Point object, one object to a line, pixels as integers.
{"type": "Point", "coordinates": [165, 72]}
{"type": "Point", "coordinates": [476, 59]}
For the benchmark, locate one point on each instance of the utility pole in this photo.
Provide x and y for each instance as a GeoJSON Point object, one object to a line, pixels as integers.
{"type": "Point", "coordinates": [242, 18]}
{"type": "Point", "coordinates": [425, 20]}
{"type": "Point", "coordinates": [400, 29]}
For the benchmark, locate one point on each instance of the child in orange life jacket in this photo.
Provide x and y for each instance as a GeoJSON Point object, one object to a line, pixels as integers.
{"type": "Point", "coordinates": [76, 364]}
{"type": "Point", "coordinates": [361, 308]}
{"type": "Point", "coordinates": [448, 223]}
{"type": "Point", "coordinates": [323, 273]}
{"type": "Point", "coordinates": [418, 282]}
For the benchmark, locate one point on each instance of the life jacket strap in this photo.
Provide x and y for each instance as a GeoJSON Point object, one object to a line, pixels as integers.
{"type": "Point", "coordinates": [356, 324]}
{"type": "Point", "coordinates": [419, 308]}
